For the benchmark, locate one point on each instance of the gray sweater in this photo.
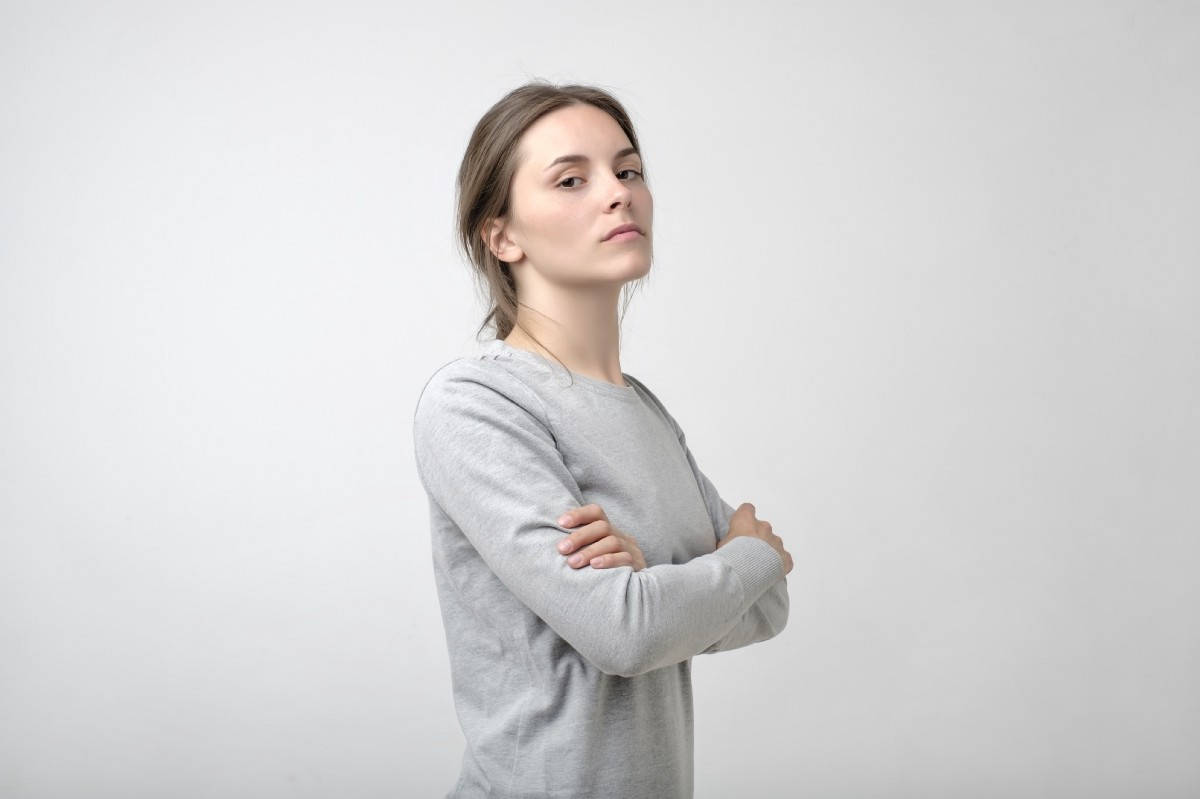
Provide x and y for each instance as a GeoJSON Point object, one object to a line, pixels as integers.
{"type": "Point", "coordinates": [577, 682]}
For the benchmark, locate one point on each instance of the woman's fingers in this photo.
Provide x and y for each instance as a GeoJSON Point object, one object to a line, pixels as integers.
{"type": "Point", "coordinates": [581, 515]}
{"type": "Point", "coordinates": [630, 556]}
{"type": "Point", "coordinates": [597, 543]}
{"type": "Point", "coordinates": [585, 535]}
{"type": "Point", "coordinates": [604, 546]}
{"type": "Point", "coordinates": [615, 559]}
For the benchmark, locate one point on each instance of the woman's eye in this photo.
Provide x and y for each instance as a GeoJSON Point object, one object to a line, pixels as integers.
{"type": "Point", "coordinates": [573, 177]}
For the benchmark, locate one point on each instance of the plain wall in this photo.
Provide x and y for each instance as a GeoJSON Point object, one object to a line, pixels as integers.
{"type": "Point", "coordinates": [925, 292]}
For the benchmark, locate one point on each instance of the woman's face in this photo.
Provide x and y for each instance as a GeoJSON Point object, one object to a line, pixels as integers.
{"type": "Point", "coordinates": [559, 213]}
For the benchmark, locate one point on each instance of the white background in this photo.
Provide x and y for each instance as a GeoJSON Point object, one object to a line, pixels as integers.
{"type": "Point", "coordinates": [925, 291]}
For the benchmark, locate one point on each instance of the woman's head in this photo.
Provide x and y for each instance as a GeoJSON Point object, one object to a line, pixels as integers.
{"type": "Point", "coordinates": [521, 211]}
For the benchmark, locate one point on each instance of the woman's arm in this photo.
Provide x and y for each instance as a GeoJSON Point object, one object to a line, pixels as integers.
{"type": "Point", "coordinates": [486, 455]}
{"type": "Point", "coordinates": [767, 617]}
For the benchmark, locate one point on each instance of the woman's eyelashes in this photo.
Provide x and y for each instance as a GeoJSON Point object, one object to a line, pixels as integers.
{"type": "Point", "coordinates": [573, 177]}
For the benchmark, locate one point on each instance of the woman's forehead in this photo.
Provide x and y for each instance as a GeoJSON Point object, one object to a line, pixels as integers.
{"type": "Point", "coordinates": [591, 133]}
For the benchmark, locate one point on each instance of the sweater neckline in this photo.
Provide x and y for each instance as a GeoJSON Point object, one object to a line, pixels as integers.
{"type": "Point", "coordinates": [498, 347]}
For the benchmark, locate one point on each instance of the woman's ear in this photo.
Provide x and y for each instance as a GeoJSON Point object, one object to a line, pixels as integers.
{"type": "Point", "coordinates": [495, 236]}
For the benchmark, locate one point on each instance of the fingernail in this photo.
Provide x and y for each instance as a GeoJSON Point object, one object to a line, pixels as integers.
{"type": "Point", "coordinates": [564, 545]}
{"type": "Point", "coordinates": [563, 519]}
{"type": "Point", "coordinates": [575, 560]}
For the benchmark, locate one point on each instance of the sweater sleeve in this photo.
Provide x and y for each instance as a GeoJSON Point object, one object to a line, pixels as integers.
{"type": "Point", "coordinates": [767, 617]}
{"type": "Point", "coordinates": [486, 454]}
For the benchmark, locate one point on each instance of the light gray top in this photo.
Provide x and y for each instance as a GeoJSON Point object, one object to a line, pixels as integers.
{"type": "Point", "coordinates": [577, 682]}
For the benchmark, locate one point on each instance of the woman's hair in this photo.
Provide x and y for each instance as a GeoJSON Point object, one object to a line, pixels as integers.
{"type": "Point", "coordinates": [485, 181]}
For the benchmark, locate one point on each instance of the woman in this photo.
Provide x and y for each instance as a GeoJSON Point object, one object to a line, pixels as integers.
{"type": "Point", "coordinates": [581, 556]}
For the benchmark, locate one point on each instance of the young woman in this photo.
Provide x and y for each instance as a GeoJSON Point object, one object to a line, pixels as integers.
{"type": "Point", "coordinates": [581, 556]}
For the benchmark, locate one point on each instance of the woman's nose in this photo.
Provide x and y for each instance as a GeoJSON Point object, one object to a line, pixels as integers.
{"type": "Point", "coordinates": [621, 191]}
{"type": "Point", "coordinates": [622, 195]}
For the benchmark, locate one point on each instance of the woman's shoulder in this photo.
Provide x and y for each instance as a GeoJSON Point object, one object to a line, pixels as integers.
{"type": "Point", "coordinates": [476, 384]}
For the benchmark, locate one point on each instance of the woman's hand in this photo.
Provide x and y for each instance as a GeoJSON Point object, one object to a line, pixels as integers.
{"type": "Point", "coordinates": [597, 542]}
{"type": "Point", "coordinates": [745, 521]}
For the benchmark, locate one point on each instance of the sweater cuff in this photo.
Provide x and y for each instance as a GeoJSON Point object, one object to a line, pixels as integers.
{"type": "Point", "coordinates": [755, 562]}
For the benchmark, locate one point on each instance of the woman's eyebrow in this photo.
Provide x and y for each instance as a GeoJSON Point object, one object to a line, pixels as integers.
{"type": "Point", "coordinates": [576, 157]}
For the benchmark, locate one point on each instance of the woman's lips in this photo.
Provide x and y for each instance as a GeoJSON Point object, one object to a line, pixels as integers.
{"type": "Point", "coordinates": [628, 235]}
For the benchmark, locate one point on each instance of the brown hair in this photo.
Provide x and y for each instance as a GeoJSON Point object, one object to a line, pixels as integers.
{"type": "Point", "coordinates": [485, 180]}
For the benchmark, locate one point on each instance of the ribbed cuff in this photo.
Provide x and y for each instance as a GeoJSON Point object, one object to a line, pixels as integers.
{"type": "Point", "coordinates": [755, 562]}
